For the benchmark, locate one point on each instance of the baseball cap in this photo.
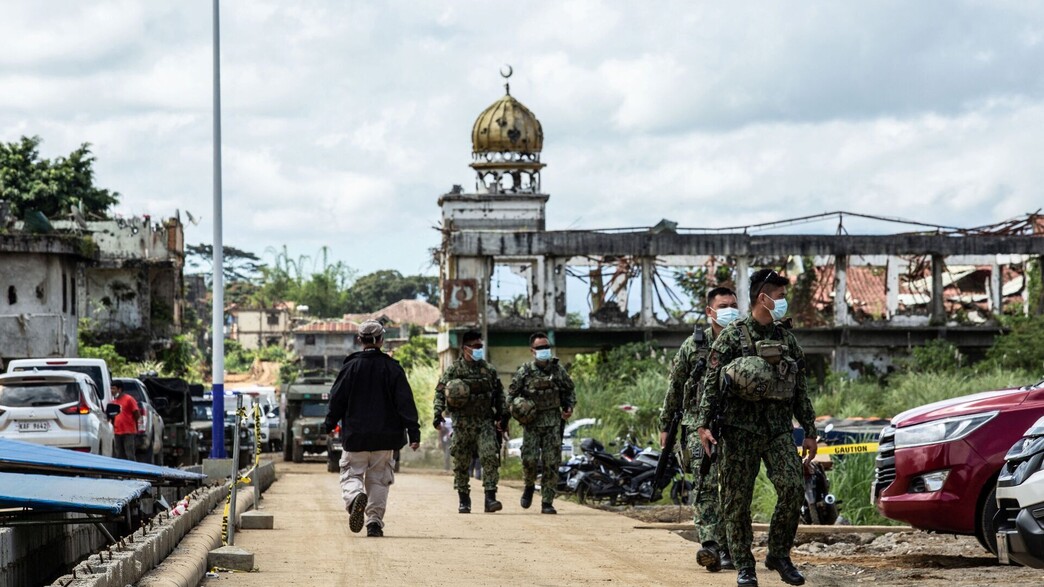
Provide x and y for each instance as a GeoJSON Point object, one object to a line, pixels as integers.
{"type": "Point", "coordinates": [371, 328]}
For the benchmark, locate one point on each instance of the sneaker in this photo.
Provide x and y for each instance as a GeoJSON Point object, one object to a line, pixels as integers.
{"type": "Point", "coordinates": [373, 530]}
{"type": "Point", "coordinates": [357, 513]}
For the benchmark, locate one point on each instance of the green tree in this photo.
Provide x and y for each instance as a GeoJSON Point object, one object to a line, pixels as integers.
{"type": "Point", "coordinates": [239, 265]}
{"type": "Point", "coordinates": [382, 288]}
{"type": "Point", "coordinates": [52, 187]}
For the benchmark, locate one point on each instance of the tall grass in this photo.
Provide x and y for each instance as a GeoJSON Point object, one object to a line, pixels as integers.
{"type": "Point", "coordinates": [841, 397]}
{"type": "Point", "coordinates": [423, 379]}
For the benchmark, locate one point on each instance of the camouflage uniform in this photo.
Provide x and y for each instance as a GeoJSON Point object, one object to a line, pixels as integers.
{"type": "Point", "coordinates": [474, 425]}
{"type": "Point", "coordinates": [553, 391]}
{"type": "Point", "coordinates": [685, 387]}
{"type": "Point", "coordinates": [756, 432]}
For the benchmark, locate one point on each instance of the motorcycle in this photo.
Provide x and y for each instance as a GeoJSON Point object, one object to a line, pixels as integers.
{"type": "Point", "coordinates": [820, 506]}
{"type": "Point", "coordinates": [616, 479]}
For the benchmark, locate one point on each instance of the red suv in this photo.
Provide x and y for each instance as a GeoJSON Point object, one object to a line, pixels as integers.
{"type": "Point", "coordinates": [937, 465]}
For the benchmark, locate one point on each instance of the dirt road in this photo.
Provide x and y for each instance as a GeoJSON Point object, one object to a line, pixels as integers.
{"type": "Point", "coordinates": [427, 542]}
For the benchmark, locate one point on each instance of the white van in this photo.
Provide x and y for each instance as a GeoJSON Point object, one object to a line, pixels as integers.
{"type": "Point", "coordinates": [96, 369]}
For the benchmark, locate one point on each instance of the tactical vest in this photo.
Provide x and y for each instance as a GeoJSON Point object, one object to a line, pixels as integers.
{"type": "Point", "coordinates": [479, 401]}
{"type": "Point", "coordinates": [775, 380]}
{"type": "Point", "coordinates": [544, 389]}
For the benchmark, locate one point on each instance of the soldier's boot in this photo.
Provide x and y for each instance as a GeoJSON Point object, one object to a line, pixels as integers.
{"type": "Point", "coordinates": [786, 569]}
{"type": "Point", "coordinates": [527, 497]}
{"type": "Point", "coordinates": [547, 508]}
{"type": "Point", "coordinates": [709, 557]}
{"type": "Point", "coordinates": [747, 577]}
{"type": "Point", "coordinates": [465, 503]}
{"type": "Point", "coordinates": [726, 560]}
{"type": "Point", "coordinates": [492, 505]}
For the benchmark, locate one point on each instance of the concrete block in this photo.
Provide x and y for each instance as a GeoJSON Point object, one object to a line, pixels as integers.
{"type": "Point", "coordinates": [231, 557]}
{"type": "Point", "coordinates": [217, 469]}
{"type": "Point", "coordinates": [255, 520]}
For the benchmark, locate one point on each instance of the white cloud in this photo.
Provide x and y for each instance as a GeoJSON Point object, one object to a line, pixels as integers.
{"type": "Point", "coordinates": [343, 122]}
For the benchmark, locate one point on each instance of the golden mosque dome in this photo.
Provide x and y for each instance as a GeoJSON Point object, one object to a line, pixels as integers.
{"type": "Point", "coordinates": [507, 126]}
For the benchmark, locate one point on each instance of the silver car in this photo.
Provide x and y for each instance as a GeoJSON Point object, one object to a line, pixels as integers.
{"type": "Point", "coordinates": [55, 408]}
{"type": "Point", "coordinates": [149, 442]}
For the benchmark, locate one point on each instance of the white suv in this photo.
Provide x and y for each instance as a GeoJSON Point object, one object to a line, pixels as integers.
{"type": "Point", "coordinates": [54, 408]}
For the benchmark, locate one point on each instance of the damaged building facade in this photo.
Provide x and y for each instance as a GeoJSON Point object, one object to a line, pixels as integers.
{"type": "Point", "coordinates": [865, 299]}
{"type": "Point", "coordinates": [122, 277]}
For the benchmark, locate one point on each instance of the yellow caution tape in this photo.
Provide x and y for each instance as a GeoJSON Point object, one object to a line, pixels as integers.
{"type": "Point", "coordinates": [847, 449]}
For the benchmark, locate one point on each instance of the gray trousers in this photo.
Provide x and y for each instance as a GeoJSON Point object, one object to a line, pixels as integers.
{"type": "Point", "coordinates": [123, 447]}
{"type": "Point", "coordinates": [371, 472]}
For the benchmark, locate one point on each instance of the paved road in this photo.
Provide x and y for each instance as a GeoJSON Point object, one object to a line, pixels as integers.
{"type": "Point", "coordinates": [427, 542]}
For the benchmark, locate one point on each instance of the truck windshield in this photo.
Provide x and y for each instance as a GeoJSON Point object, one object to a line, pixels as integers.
{"type": "Point", "coordinates": [313, 410]}
{"type": "Point", "coordinates": [27, 395]}
{"type": "Point", "coordinates": [202, 411]}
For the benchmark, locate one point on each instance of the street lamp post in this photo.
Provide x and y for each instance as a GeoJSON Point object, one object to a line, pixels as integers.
{"type": "Point", "coordinates": [217, 448]}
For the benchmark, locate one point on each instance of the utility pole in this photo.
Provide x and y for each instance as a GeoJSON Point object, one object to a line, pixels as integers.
{"type": "Point", "coordinates": [217, 447]}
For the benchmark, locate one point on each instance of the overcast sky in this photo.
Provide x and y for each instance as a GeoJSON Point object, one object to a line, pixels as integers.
{"type": "Point", "coordinates": [344, 121]}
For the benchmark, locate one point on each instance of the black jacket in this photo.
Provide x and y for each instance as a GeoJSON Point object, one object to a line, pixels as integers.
{"type": "Point", "coordinates": [374, 403]}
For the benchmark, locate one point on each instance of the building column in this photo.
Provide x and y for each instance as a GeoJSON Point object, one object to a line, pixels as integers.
{"type": "Point", "coordinates": [743, 284]}
{"type": "Point", "coordinates": [841, 315]}
{"type": "Point", "coordinates": [938, 316]}
{"type": "Point", "coordinates": [892, 287]}
{"type": "Point", "coordinates": [647, 317]}
{"type": "Point", "coordinates": [996, 290]}
{"type": "Point", "coordinates": [555, 315]}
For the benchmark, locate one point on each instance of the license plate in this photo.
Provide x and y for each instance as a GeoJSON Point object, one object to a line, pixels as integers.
{"type": "Point", "coordinates": [1002, 548]}
{"type": "Point", "coordinates": [307, 442]}
{"type": "Point", "coordinates": [34, 426]}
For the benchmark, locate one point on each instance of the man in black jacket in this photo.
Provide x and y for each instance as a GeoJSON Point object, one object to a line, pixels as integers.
{"type": "Point", "coordinates": [374, 404]}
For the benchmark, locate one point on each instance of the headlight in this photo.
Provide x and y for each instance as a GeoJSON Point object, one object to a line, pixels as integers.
{"type": "Point", "coordinates": [1026, 468]}
{"type": "Point", "coordinates": [938, 431]}
{"type": "Point", "coordinates": [1024, 448]}
{"type": "Point", "coordinates": [307, 430]}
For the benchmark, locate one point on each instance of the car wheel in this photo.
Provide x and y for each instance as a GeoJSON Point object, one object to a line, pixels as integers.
{"type": "Point", "coordinates": [986, 528]}
{"type": "Point", "coordinates": [298, 453]}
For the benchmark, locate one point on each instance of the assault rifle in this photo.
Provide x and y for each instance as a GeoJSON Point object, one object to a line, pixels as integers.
{"type": "Point", "coordinates": [665, 454]}
{"type": "Point", "coordinates": [710, 456]}
{"type": "Point", "coordinates": [674, 426]}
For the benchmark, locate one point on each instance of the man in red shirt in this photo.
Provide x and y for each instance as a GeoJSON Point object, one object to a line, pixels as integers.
{"type": "Point", "coordinates": [125, 423]}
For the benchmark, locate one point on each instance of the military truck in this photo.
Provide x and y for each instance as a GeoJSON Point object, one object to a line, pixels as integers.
{"type": "Point", "coordinates": [203, 424]}
{"type": "Point", "coordinates": [304, 410]}
{"type": "Point", "coordinates": [181, 444]}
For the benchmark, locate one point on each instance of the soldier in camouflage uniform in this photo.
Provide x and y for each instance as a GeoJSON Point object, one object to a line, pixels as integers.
{"type": "Point", "coordinates": [478, 420]}
{"type": "Point", "coordinates": [756, 376]}
{"type": "Point", "coordinates": [541, 397]}
{"type": "Point", "coordinates": [683, 393]}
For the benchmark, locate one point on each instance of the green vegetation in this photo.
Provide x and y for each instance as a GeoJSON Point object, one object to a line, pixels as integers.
{"type": "Point", "coordinates": [423, 379]}
{"type": "Point", "coordinates": [50, 186]}
{"type": "Point", "coordinates": [419, 351]}
{"type": "Point", "coordinates": [629, 375]}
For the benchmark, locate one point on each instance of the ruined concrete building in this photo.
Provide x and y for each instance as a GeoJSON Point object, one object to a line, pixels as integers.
{"type": "Point", "coordinates": [123, 277]}
{"type": "Point", "coordinates": [905, 288]}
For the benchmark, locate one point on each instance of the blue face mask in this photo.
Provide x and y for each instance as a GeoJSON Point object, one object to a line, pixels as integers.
{"type": "Point", "coordinates": [724, 316]}
{"type": "Point", "coordinates": [543, 354]}
{"type": "Point", "coordinates": [779, 310]}
{"type": "Point", "coordinates": [478, 354]}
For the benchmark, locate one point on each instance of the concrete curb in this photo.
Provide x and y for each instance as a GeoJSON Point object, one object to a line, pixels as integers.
{"type": "Point", "coordinates": [182, 538]}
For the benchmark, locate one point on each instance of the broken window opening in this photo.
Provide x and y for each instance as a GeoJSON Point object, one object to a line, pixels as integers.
{"type": "Point", "coordinates": [12, 296]}
{"type": "Point", "coordinates": [65, 293]}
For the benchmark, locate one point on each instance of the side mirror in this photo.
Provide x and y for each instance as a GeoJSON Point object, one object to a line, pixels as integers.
{"type": "Point", "coordinates": [112, 410]}
{"type": "Point", "coordinates": [160, 404]}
